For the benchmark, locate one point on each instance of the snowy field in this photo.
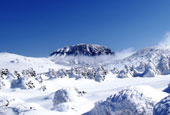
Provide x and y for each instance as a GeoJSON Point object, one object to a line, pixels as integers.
{"type": "Point", "coordinates": [42, 102]}
{"type": "Point", "coordinates": [134, 85]}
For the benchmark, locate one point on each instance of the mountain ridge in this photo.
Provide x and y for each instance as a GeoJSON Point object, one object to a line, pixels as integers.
{"type": "Point", "coordinates": [83, 50]}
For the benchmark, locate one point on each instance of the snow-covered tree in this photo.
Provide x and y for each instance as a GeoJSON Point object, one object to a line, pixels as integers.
{"type": "Point", "coordinates": [128, 101]}
{"type": "Point", "coordinates": [66, 99]}
{"type": "Point", "coordinates": [164, 65]}
{"type": "Point", "coordinates": [162, 107]}
{"type": "Point", "coordinates": [139, 70]}
{"type": "Point", "coordinates": [151, 70]}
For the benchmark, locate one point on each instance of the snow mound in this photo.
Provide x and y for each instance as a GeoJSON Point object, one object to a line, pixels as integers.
{"type": "Point", "coordinates": [138, 100]}
{"type": "Point", "coordinates": [12, 106]}
{"type": "Point", "coordinates": [65, 95]}
{"type": "Point", "coordinates": [70, 99]}
{"type": "Point", "coordinates": [163, 107]}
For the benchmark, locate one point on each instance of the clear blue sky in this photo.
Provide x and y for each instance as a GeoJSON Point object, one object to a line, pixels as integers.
{"type": "Point", "coordinates": [38, 27]}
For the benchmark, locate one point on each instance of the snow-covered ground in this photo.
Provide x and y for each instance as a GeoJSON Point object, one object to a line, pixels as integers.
{"type": "Point", "coordinates": [42, 102]}
{"type": "Point", "coordinates": [17, 62]}
{"type": "Point", "coordinates": [85, 85]}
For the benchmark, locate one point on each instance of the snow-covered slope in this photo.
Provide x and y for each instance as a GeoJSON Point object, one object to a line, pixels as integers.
{"type": "Point", "coordinates": [17, 62]}
{"type": "Point", "coordinates": [34, 86]}
{"type": "Point", "coordinates": [148, 54]}
{"type": "Point", "coordinates": [144, 55]}
{"type": "Point", "coordinates": [35, 101]}
{"type": "Point", "coordinates": [148, 62]}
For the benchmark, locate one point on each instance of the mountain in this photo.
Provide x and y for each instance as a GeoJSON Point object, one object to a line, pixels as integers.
{"type": "Point", "coordinates": [149, 54]}
{"type": "Point", "coordinates": [83, 50]}
{"type": "Point", "coordinates": [147, 62]}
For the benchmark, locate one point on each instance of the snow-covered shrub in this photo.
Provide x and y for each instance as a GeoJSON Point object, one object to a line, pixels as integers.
{"type": "Point", "coordinates": [151, 70]}
{"type": "Point", "coordinates": [2, 84]}
{"type": "Point", "coordinates": [4, 73]}
{"type": "Point", "coordinates": [142, 70]}
{"type": "Point", "coordinates": [61, 73]}
{"type": "Point", "coordinates": [29, 72]}
{"type": "Point", "coordinates": [125, 73]}
{"type": "Point", "coordinates": [100, 74]}
{"type": "Point", "coordinates": [95, 73]}
{"type": "Point", "coordinates": [164, 65]}
{"type": "Point", "coordinates": [139, 70]}
{"type": "Point", "coordinates": [65, 95]}
{"type": "Point", "coordinates": [27, 80]}
{"type": "Point", "coordinates": [25, 83]}
{"type": "Point", "coordinates": [130, 101]}
{"type": "Point", "coordinates": [22, 109]}
{"type": "Point", "coordinates": [66, 99]}
{"type": "Point", "coordinates": [11, 107]}
{"type": "Point", "coordinates": [51, 73]}
{"type": "Point", "coordinates": [162, 107]}
{"type": "Point", "coordinates": [114, 71]}
{"type": "Point", "coordinates": [5, 78]}
{"type": "Point", "coordinates": [43, 88]}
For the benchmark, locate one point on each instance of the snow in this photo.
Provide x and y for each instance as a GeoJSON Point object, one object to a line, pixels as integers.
{"type": "Point", "coordinates": [79, 85]}
{"type": "Point", "coordinates": [17, 62]}
{"type": "Point", "coordinates": [70, 99]}
{"type": "Point", "coordinates": [137, 100]}
{"type": "Point", "coordinates": [162, 107]}
{"type": "Point", "coordinates": [167, 89]}
{"type": "Point", "coordinates": [95, 91]}
{"type": "Point", "coordinates": [147, 62]}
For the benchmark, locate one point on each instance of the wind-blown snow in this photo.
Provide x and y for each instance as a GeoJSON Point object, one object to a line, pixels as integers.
{"type": "Point", "coordinates": [166, 40]}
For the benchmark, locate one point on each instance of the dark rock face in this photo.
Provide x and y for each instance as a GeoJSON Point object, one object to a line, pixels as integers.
{"type": "Point", "coordinates": [83, 50]}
